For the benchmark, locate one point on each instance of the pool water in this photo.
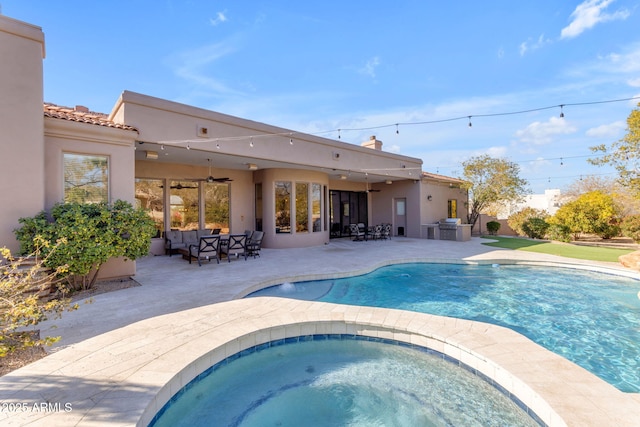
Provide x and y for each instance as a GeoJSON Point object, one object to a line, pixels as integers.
{"type": "Point", "coordinates": [590, 318]}
{"type": "Point", "coordinates": [328, 381]}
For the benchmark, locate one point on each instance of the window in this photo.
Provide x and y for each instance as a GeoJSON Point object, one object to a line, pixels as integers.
{"type": "Point", "coordinates": [183, 197]}
{"type": "Point", "coordinates": [316, 208]}
{"type": "Point", "coordinates": [302, 207]}
{"type": "Point", "coordinates": [216, 206]}
{"type": "Point", "coordinates": [283, 206]}
{"type": "Point", "coordinates": [452, 208]}
{"type": "Point", "coordinates": [149, 196]}
{"type": "Point", "coordinates": [86, 178]}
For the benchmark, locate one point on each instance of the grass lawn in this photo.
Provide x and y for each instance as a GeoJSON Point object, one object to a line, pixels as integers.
{"type": "Point", "coordinates": [591, 253]}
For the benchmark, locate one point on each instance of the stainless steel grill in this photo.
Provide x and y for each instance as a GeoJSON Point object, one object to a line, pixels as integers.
{"type": "Point", "coordinates": [449, 228]}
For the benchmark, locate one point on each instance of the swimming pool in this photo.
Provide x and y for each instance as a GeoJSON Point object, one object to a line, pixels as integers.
{"type": "Point", "coordinates": [590, 318]}
{"type": "Point", "coordinates": [330, 380]}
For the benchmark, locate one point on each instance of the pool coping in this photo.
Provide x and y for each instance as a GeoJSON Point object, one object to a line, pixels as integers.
{"type": "Point", "coordinates": [122, 377]}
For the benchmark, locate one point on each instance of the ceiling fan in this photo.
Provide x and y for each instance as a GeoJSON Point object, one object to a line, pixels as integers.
{"type": "Point", "coordinates": [179, 187]}
{"type": "Point", "coordinates": [369, 190]}
{"type": "Point", "coordinates": [211, 179]}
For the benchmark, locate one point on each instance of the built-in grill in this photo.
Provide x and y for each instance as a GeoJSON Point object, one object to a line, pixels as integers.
{"type": "Point", "coordinates": [449, 228]}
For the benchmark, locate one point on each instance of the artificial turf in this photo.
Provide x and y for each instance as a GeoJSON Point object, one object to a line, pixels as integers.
{"type": "Point", "coordinates": [591, 253]}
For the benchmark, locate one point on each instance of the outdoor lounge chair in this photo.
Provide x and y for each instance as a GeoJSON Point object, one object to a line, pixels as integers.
{"type": "Point", "coordinates": [207, 248]}
{"type": "Point", "coordinates": [386, 231]}
{"type": "Point", "coordinates": [356, 232]}
{"type": "Point", "coordinates": [237, 246]}
{"type": "Point", "coordinates": [255, 244]}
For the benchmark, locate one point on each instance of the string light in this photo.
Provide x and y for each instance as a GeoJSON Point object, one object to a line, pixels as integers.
{"type": "Point", "coordinates": [251, 142]}
{"type": "Point", "coordinates": [397, 125]}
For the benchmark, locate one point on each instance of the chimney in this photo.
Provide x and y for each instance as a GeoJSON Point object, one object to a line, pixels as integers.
{"type": "Point", "coordinates": [81, 109]}
{"type": "Point", "coordinates": [373, 143]}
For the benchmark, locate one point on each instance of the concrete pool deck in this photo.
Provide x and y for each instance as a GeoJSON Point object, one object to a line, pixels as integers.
{"type": "Point", "coordinates": [123, 356]}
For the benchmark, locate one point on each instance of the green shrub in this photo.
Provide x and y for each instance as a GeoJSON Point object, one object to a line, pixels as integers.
{"type": "Point", "coordinates": [92, 234]}
{"type": "Point", "coordinates": [630, 227]}
{"type": "Point", "coordinates": [535, 228]}
{"type": "Point", "coordinates": [517, 220]}
{"type": "Point", "coordinates": [559, 232]}
{"type": "Point", "coordinates": [493, 227]}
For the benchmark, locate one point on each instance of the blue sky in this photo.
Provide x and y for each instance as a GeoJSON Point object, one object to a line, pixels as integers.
{"type": "Point", "coordinates": [321, 66]}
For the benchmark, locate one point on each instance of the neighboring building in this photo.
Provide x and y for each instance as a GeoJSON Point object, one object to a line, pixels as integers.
{"type": "Point", "coordinates": [194, 168]}
{"type": "Point", "coordinates": [550, 202]}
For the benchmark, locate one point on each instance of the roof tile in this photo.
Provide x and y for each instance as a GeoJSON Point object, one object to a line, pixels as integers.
{"type": "Point", "coordinates": [83, 115]}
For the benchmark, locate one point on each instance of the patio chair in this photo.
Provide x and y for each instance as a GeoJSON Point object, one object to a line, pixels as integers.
{"type": "Point", "coordinates": [237, 246]}
{"type": "Point", "coordinates": [386, 231]}
{"type": "Point", "coordinates": [216, 231]}
{"type": "Point", "coordinates": [376, 233]}
{"type": "Point", "coordinates": [356, 232]}
{"type": "Point", "coordinates": [207, 248]}
{"type": "Point", "coordinates": [255, 244]}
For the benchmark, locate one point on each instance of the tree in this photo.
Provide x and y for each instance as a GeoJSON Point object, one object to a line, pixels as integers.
{"type": "Point", "coordinates": [624, 154]}
{"type": "Point", "coordinates": [622, 196]}
{"type": "Point", "coordinates": [593, 212]}
{"type": "Point", "coordinates": [490, 181]}
{"type": "Point", "coordinates": [92, 234]}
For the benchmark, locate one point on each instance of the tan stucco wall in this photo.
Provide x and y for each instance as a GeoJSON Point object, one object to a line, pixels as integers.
{"type": "Point", "coordinates": [21, 125]}
{"type": "Point", "coordinates": [435, 209]}
{"type": "Point", "coordinates": [169, 122]}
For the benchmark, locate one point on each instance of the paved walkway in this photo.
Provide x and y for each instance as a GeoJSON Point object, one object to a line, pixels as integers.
{"type": "Point", "coordinates": [124, 355]}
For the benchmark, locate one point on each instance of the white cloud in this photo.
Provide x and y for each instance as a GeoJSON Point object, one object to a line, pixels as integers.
{"type": "Point", "coordinates": [611, 130]}
{"type": "Point", "coordinates": [531, 44]}
{"type": "Point", "coordinates": [634, 82]}
{"type": "Point", "coordinates": [219, 19]}
{"type": "Point", "coordinates": [588, 14]}
{"type": "Point", "coordinates": [192, 66]}
{"type": "Point", "coordinates": [369, 68]}
{"type": "Point", "coordinates": [541, 133]}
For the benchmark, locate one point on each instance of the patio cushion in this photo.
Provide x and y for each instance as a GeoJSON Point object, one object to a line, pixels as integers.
{"type": "Point", "coordinates": [204, 232]}
{"type": "Point", "coordinates": [190, 237]}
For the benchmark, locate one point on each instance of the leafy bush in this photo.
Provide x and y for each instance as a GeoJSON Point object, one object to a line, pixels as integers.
{"type": "Point", "coordinates": [23, 282]}
{"type": "Point", "coordinates": [559, 232]}
{"type": "Point", "coordinates": [493, 227]}
{"type": "Point", "coordinates": [92, 234]}
{"type": "Point", "coordinates": [517, 220]}
{"type": "Point", "coordinates": [630, 227]}
{"type": "Point", "coordinates": [593, 212]}
{"type": "Point", "coordinates": [535, 228]}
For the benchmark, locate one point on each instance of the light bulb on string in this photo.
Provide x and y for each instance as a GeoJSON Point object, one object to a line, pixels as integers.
{"type": "Point", "coordinates": [290, 139]}
{"type": "Point", "coordinates": [251, 142]}
{"type": "Point", "coordinates": [470, 121]}
{"type": "Point", "coordinates": [561, 112]}
{"type": "Point", "coordinates": [338, 133]}
{"type": "Point", "coordinates": [561, 162]}
{"type": "Point", "coordinates": [397, 130]}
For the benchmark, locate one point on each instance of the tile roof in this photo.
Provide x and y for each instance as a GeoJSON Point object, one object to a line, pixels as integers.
{"type": "Point", "coordinates": [437, 177]}
{"type": "Point", "coordinates": [83, 115]}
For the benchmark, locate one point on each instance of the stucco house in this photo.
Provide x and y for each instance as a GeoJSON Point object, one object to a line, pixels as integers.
{"type": "Point", "coordinates": [194, 168]}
